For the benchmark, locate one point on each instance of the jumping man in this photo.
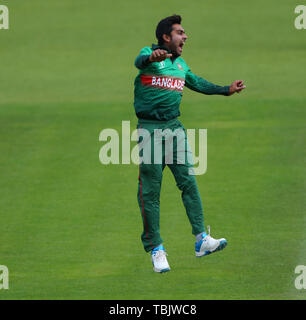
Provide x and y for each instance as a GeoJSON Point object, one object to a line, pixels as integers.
{"type": "Point", "coordinates": [157, 96]}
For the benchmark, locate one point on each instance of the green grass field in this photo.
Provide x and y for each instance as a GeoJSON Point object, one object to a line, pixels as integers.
{"type": "Point", "coordinates": [70, 227]}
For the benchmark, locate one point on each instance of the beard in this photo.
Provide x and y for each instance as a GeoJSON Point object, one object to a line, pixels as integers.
{"type": "Point", "coordinates": [175, 51]}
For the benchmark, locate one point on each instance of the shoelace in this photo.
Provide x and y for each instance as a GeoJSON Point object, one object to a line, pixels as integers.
{"type": "Point", "coordinates": [159, 254]}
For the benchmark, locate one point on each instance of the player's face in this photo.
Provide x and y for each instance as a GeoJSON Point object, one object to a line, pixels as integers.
{"type": "Point", "coordinates": [178, 39]}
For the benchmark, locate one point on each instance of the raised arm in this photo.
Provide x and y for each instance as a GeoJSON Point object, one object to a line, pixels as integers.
{"type": "Point", "coordinates": [201, 85]}
{"type": "Point", "coordinates": [146, 56]}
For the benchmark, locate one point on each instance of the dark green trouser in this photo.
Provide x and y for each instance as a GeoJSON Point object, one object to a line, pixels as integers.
{"type": "Point", "coordinates": [150, 178]}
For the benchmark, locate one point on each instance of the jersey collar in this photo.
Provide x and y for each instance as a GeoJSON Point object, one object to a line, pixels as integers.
{"type": "Point", "coordinates": [154, 47]}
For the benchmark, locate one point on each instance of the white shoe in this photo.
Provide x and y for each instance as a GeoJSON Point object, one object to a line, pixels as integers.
{"type": "Point", "coordinates": [159, 259]}
{"type": "Point", "coordinates": [209, 245]}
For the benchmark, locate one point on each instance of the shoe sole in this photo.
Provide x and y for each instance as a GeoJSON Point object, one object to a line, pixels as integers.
{"type": "Point", "coordinates": [222, 245]}
{"type": "Point", "coordinates": [161, 271]}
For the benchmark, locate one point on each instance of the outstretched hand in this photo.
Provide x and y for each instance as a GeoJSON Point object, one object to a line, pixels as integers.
{"type": "Point", "coordinates": [236, 86]}
{"type": "Point", "coordinates": [159, 55]}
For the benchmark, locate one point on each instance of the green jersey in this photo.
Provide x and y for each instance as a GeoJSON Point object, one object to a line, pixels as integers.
{"type": "Point", "coordinates": [158, 87]}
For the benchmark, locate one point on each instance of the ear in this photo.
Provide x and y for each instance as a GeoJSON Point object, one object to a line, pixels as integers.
{"type": "Point", "coordinates": [166, 38]}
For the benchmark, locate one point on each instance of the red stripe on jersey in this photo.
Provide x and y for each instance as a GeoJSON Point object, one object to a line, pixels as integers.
{"type": "Point", "coordinates": [166, 82]}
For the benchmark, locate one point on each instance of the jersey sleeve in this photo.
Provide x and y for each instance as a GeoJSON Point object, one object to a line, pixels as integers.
{"type": "Point", "coordinates": [201, 85]}
{"type": "Point", "coordinates": [142, 60]}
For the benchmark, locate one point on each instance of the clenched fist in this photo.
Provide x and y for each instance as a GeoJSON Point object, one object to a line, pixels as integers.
{"type": "Point", "coordinates": [236, 86]}
{"type": "Point", "coordinates": [159, 55]}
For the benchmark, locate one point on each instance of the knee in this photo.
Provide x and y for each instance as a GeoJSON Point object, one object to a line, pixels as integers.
{"type": "Point", "coordinates": [188, 183]}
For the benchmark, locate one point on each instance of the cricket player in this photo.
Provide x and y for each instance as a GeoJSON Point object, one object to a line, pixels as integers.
{"type": "Point", "coordinates": [163, 74]}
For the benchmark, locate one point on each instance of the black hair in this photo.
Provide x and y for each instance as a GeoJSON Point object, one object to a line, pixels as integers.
{"type": "Point", "coordinates": [165, 27]}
